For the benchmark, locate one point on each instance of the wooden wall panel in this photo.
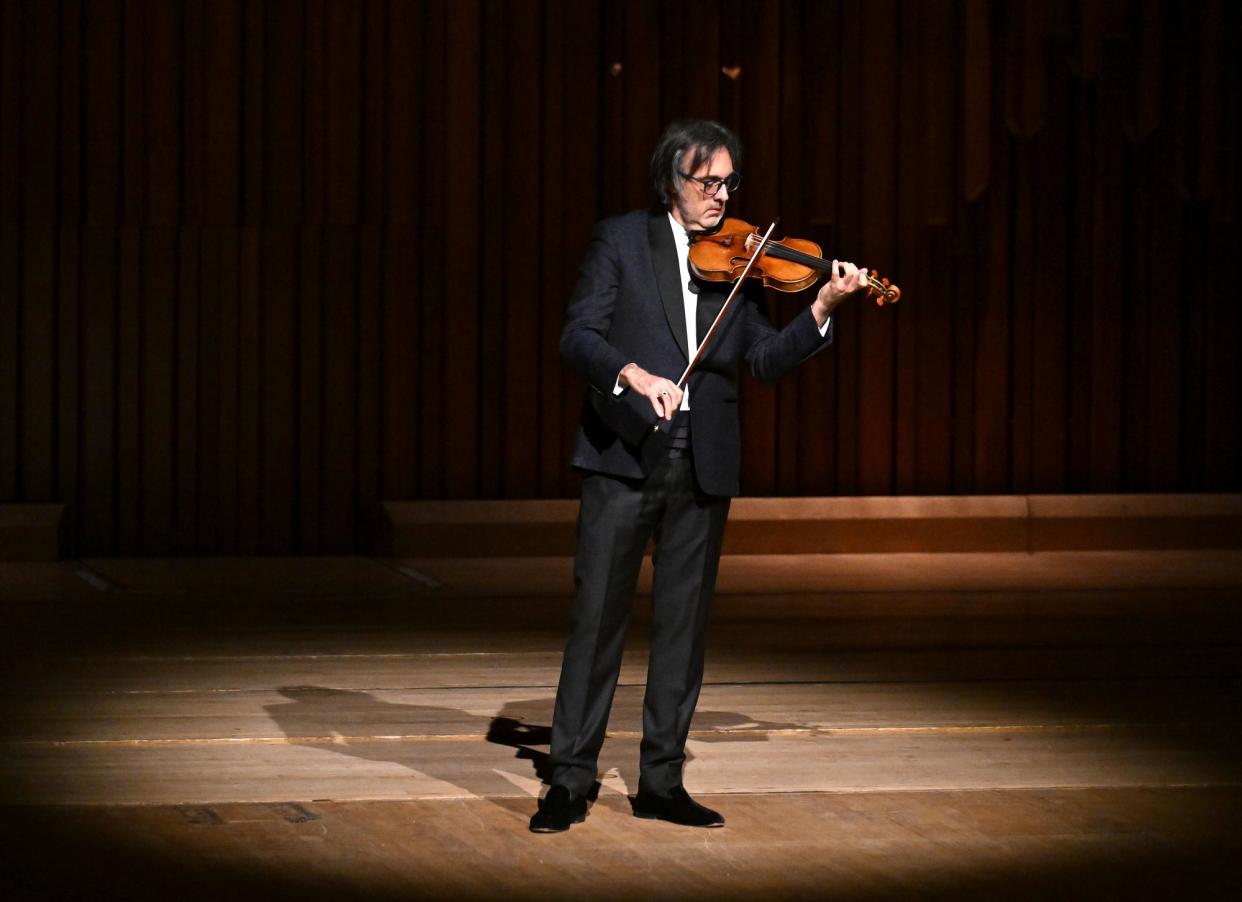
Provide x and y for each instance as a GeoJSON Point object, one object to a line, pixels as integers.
{"type": "Point", "coordinates": [521, 146]}
{"type": "Point", "coordinates": [250, 297]}
{"type": "Point", "coordinates": [97, 513]}
{"type": "Point", "coordinates": [188, 366]}
{"type": "Point", "coordinates": [68, 376]}
{"type": "Point", "coordinates": [37, 328]}
{"type": "Point", "coordinates": [264, 264]}
{"type": "Point", "coordinates": [553, 272]}
{"type": "Point", "coordinates": [310, 354]}
{"type": "Point", "coordinates": [157, 361]}
{"type": "Point", "coordinates": [1053, 291]}
{"type": "Point", "coordinates": [369, 367]}
{"type": "Point", "coordinates": [10, 359]}
{"type": "Point", "coordinates": [129, 480]}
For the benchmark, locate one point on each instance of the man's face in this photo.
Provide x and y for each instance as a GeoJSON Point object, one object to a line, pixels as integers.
{"type": "Point", "coordinates": [692, 207]}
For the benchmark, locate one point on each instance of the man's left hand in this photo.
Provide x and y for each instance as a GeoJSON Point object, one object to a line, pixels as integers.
{"type": "Point", "coordinates": [846, 279]}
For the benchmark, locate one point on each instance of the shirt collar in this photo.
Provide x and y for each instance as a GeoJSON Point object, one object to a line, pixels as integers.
{"type": "Point", "coordinates": [679, 235]}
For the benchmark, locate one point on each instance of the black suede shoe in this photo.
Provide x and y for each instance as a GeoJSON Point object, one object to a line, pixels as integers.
{"type": "Point", "coordinates": [558, 810]}
{"type": "Point", "coordinates": [677, 807]}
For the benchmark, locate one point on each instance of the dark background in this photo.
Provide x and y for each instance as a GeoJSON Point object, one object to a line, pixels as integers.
{"type": "Point", "coordinates": [267, 263]}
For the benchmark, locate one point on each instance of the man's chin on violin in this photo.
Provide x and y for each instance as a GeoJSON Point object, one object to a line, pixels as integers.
{"type": "Point", "coordinates": [698, 211]}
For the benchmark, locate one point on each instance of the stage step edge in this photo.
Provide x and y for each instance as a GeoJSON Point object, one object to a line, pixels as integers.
{"type": "Point", "coordinates": [30, 532]}
{"type": "Point", "coordinates": [856, 525]}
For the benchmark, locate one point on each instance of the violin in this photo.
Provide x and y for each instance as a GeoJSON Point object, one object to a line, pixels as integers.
{"type": "Point", "coordinates": [790, 264]}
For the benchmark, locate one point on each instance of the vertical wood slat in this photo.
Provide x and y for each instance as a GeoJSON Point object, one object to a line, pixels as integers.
{"type": "Point", "coordinates": [1138, 277]}
{"type": "Point", "coordinates": [253, 122]}
{"type": "Point", "coordinates": [1223, 441]}
{"type": "Point", "coordinates": [68, 139]}
{"type": "Point", "coordinates": [907, 229]}
{"type": "Point", "coordinates": [367, 423]}
{"type": "Point", "coordinates": [552, 281]}
{"type": "Point", "coordinates": [342, 115]}
{"type": "Point", "coordinates": [760, 82]}
{"type": "Point", "coordinates": [875, 241]}
{"type": "Point", "coordinates": [520, 439]}
{"type": "Point", "coordinates": [314, 104]}
{"type": "Point", "coordinates": [221, 118]}
{"type": "Point", "coordinates": [791, 194]}
{"type": "Point", "coordinates": [934, 272]}
{"type": "Point", "coordinates": [585, 75]}
{"type": "Point", "coordinates": [642, 95]}
{"type": "Point", "coordinates": [963, 374]}
{"type": "Point", "coordinates": [133, 119]}
{"type": "Point", "coordinates": [68, 381]}
{"type": "Point", "coordinates": [248, 325]}
{"type": "Point", "coordinates": [461, 276]}
{"type": "Point", "coordinates": [278, 390]}
{"type": "Point", "coordinates": [1194, 367]}
{"type": "Point", "coordinates": [817, 434]}
{"type": "Point", "coordinates": [188, 351]}
{"type": "Point", "coordinates": [99, 390]}
{"type": "Point", "coordinates": [310, 437]}
{"type": "Point", "coordinates": [1109, 214]}
{"type": "Point", "coordinates": [846, 225]}
{"type": "Point", "coordinates": [228, 365]}
{"type": "Point", "coordinates": [193, 112]}
{"type": "Point", "coordinates": [10, 361]}
{"type": "Point", "coordinates": [609, 140]}
{"type": "Point", "coordinates": [158, 373]}
{"type": "Point", "coordinates": [101, 101]}
{"type": "Point", "coordinates": [209, 445]}
{"type": "Point", "coordinates": [37, 370]}
{"type": "Point", "coordinates": [1080, 295]}
{"type": "Point", "coordinates": [38, 111]}
{"type": "Point", "coordinates": [375, 62]}
{"type": "Point", "coordinates": [1024, 268]}
{"type": "Point", "coordinates": [163, 74]}
{"type": "Point", "coordinates": [993, 351]}
{"type": "Point", "coordinates": [495, 73]}
{"type": "Point", "coordinates": [340, 342]}
{"type": "Point", "coordinates": [1049, 377]}
{"type": "Point", "coordinates": [402, 113]}
{"type": "Point", "coordinates": [976, 101]}
{"type": "Point", "coordinates": [283, 62]}
{"type": "Point", "coordinates": [129, 484]}
{"type": "Point", "coordinates": [400, 340]}
{"type": "Point", "coordinates": [431, 326]}
{"type": "Point", "coordinates": [10, 124]}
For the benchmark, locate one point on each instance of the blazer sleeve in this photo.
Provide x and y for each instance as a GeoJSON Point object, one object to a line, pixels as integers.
{"type": "Point", "coordinates": [771, 353]}
{"type": "Point", "coordinates": [584, 340]}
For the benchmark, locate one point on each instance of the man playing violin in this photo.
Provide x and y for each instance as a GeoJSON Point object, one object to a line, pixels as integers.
{"type": "Point", "coordinates": [634, 320]}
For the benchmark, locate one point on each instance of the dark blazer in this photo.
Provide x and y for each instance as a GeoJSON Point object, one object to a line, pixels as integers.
{"type": "Point", "coordinates": [628, 307]}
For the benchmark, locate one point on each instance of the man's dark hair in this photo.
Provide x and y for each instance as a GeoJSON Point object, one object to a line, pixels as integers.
{"type": "Point", "coordinates": [685, 146]}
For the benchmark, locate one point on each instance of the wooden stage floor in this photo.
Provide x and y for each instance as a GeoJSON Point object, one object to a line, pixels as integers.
{"type": "Point", "coordinates": [340, 727]}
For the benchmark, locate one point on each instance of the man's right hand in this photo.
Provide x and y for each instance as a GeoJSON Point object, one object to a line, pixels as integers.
{"type": "Point", "coordinates": [664, 395]}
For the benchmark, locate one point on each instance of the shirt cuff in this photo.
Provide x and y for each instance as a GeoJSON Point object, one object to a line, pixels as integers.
{"type": "Point", "coordinates": [823, 330]}
{"type": "Point", "coordinates": [617, 389]}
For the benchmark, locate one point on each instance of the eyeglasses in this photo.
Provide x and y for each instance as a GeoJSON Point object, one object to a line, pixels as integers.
{"type": "Point", "coordinates": [711, 184]}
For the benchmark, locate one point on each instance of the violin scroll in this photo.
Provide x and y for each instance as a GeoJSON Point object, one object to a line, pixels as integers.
{"type": "Point", "coordinates": [882, 290]}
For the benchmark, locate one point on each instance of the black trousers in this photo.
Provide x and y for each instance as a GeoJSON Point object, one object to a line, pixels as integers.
{"type": "Point", "coordinates": [615, 521]}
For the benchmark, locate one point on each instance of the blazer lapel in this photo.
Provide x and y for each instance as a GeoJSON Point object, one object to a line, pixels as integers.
{"type": "Point", "coordinates": [668, 275]}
